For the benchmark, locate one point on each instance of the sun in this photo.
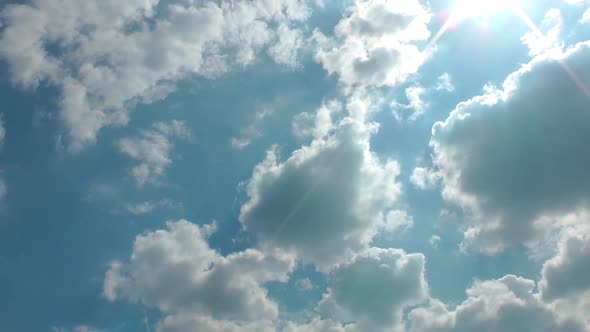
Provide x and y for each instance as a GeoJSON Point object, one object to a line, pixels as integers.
{"type": "Point", "coordinates": [479, 9]}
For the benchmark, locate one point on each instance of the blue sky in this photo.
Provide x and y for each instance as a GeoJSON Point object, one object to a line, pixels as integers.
{"type": "Point", "coordinates": [294, 165]}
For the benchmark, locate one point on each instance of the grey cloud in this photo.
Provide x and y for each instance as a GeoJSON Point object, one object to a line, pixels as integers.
{"type": "Point", "coordinates": [374, 288]}
{"type": "Point", "coordinates": [327, 199]}
{"type": "Point", "coordinates": [512, 156]}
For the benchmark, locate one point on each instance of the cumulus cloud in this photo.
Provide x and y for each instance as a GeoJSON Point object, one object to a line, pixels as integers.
{"type": "Point", "coordinates": [585, 17]}
{"type": "Point", "coordinates": [374, 288]}
{"type": "Point", "coordinates": [565, 277]}
{"type": "Point", "coordinates": [506, 304]}
{"type": "Point", "coordinates": [105, 56]}
{"type": "Point", "coordinates": [328, 199]}
{"type": "Point", "coordinates": [177, 272]}
{"type": "Point", "coordinates": [152, 149]}
{"type": "Point", "coordinates": [517, 154]}
{"type": "Point", "coordinates": [375, 43]}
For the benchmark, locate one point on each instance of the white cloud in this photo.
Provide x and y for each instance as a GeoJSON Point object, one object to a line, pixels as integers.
{"type": "Point", "coordinates": [106, 56]}
{"type": "Point", "coordinates": [513, 156]}
{"type": "Point", "coordinates": [416, 104]}
{"type": "Point", "coordinates": [252, 131]}
{"type": "Point", "coordinates": [176, 271]}
{"type": "Point", "coordinates": [318, 125]}
{"type": "Point", "coordinates": [374, 43]}
{"type": "Point", "coordinates": [374, 288]}
{"type": "Point", "coordinates": [424, 178]}
{"type": "Point", "coordinates": [548, 35]}
{"type": "Point", "coordinates": [445, 83]}
{"type": "Point", "coordinates": [434, 241]}
{"type": "Point", "coordinates": [585, 17]}
{"type": "Point", "coordinates": [304, 284]}
{"type": "Point", "coordinates": [79, 328]}
{"type": "Point", "coordinates": [286, 50]}
{"type": "Point", "coordinates": [328, 198]}
{"type": "Point", "coordinates": [152, 150]}
{"type": "Point", "coordinates": [506, 304]}
{"type": "Point", "coordinates": [149, 206]}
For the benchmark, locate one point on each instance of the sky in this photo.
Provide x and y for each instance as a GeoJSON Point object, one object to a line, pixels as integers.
{"type": "Point", "coordinates": [294, 165]}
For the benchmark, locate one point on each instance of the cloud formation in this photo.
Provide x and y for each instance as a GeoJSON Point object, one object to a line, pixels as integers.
{"type": "Point", "coordinates": [517, 154]}
{"type": "Point", "coordinates": [329, 198]}
{"type": "Point", "coordinates": [106, 57]}
{"type": "Point", "coordinates": [176, 271]}
{"type": "Point", "coordinates": [506, 304]}
{"type": "Point", "coordinates": [375, 43]}
{"type": "Point", "coordinates": [374, 288]}
{"type": "Point", "coordinates": [152, 149]}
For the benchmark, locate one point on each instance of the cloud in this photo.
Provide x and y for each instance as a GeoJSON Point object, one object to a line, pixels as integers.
{"type": "Point", "coordinates": [176, 271]}
{"type": "Point", "coordinates": [548, 37]}
{"type": "Point", "coordinates": [374, 44]}
{"type": "Point", "coordinates": [328, 199]}
{"type": "Point", "coordinates": [416, 104]}
{"type": "Point", "coordinates": [445, 83]}
{"type": "Point", "coordinates": [152, 149]}
{"type": "Point", "coordinates": [252, 131]}
{"type": "Point", "coordinates": [3, 189]}
{"type": "Point", "coordinates": [506, 304]}
{"type": "Point", "coordinates": [374, 288]}
{"type": "Point", "coordinates": [318, 125]}
{"type": "Point", "coordinates": [185, 323]}
{"type": "Point", "coordinates": [305, 284]}
{"type": "Point", "coordinates": [565, 277]}
{"type": "Point", "coordinates": [286, 50]}
{"type": "Point", "coordinates": [149, 206]}
{"type": "Point", "coordinates": [585, 17]}
{"type": "Point", "coordinates": [79, 328]}
{"type": "Point", "coordinates": [424, 178]}
{"type": "Point", "coordinates": [105, 57]}
{"type": "Point", "coordinates": [514, 155]}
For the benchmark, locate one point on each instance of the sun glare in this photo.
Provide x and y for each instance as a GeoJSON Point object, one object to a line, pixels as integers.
{"type": "Point", "coordinates": [480, 9]}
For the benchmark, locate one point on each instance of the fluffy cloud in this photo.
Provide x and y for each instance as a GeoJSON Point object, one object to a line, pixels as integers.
{"type": "Point", "coordinates": [566, 277]}
{"type": "Point", "coordinates": [152, 149]}
{"type": "Point", "coordinates": [585, 17]}
{"type": "Point", "coordinates": [507, 304]}
{"type": "Point", "coordinates": [512, 156]}
{"type": "Point", "coordinates": [176, 271]}
{"type": "Point", "coordinates": [374, 44]}
{"type": "Point", "coordinates": [106, 56]}
{"type": "Point", "coordinates": [374, 288]}
{"type": "Point", "coordinates": [328, 199]}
